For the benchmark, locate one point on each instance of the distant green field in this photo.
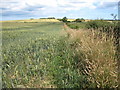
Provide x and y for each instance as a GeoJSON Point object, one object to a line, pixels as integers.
{"type": "Point", "coordinates": [14, 33]}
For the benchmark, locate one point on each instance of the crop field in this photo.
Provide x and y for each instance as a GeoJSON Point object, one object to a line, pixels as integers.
{"type": "Point", "coordinates": [53, 54]}
{"type": "Point", "coordinates": [33, 20]}
{"type": "Point", "coordinates": [71, 19]}
{"type": "Point", "coordinates": [23, 42]}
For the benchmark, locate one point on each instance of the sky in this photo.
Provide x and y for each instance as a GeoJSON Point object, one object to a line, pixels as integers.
{"type": "Point", "coordinates": [87, 9]}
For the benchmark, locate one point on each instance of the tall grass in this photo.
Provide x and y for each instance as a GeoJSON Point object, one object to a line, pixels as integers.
{"type": "Point", "coordinates": [95, 56]}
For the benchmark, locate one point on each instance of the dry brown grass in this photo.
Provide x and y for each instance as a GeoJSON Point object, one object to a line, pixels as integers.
{"type": "Point", "coordinates": [98, 57]}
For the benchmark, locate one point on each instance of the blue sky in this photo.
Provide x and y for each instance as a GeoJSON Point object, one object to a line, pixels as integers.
{"type": "Point", "coordinates": [26, 9]}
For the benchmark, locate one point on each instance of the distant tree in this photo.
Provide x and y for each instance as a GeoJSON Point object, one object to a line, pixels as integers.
{"type": "Point", "coordinates": [42, 18]}
{"type": "Point", "coordinates": [64, 19]}
{"type": "Point", "coordinates": [79, 20]}
{"type": "Point", "coordinates": [82, 19]}
{"type": "Point", "coordinates": [114, 16]}
{"type": "Point", "coordinates": [51, 17]}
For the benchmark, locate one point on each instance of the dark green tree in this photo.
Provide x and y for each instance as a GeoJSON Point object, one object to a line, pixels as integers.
{"type": "Point", "coordinates": [64, 19]}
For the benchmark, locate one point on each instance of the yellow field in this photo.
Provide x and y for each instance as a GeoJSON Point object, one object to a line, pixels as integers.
{"type": "Point", "coordinates": [40, 20]}
{"type": "Point", "coordinates": [71, 19]}
{"type": "Point", "coordinates": [34, 20]}
{"type": "Point", "coordinates": [86, 20]}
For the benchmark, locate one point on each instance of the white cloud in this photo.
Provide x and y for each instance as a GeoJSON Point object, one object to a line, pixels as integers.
{"type": "Point", "coordinates": [52, 3]}
{"type": "Point", "coordinates": [75, 4]}
{"type": "Point", "coordinates": [51, 6]}
{"type": "Point", "coordinates": [14, 5]}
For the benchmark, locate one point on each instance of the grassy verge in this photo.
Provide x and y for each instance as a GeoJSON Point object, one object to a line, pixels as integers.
{"type": "Point", "coordinates": [95, 56]}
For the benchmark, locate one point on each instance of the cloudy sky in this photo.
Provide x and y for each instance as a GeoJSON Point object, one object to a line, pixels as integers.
{"type": "Point", "coordinates": [88, 9]}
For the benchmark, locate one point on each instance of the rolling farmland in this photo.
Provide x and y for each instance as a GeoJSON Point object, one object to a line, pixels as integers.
{"type": "Point", "coordinates": [60, 44]}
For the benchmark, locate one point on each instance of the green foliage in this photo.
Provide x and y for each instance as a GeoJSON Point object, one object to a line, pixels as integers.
{"type": "Point", "coordinates": [48, 18]}
{"type": "Point", "coordinates": [63, 67]}
{"type": "Point", "coordinates": [104, 26]}
{"type": "Point", "coordinates": [51, 18]}
{"type": "Point", "coordinates": [79, 20]}
{"type": "Point", "coordinates": [64, 19]}
{"type": "Point", "coordinates": [76, 25]}
{"type": "Point", "coordinates": [95, 24]}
